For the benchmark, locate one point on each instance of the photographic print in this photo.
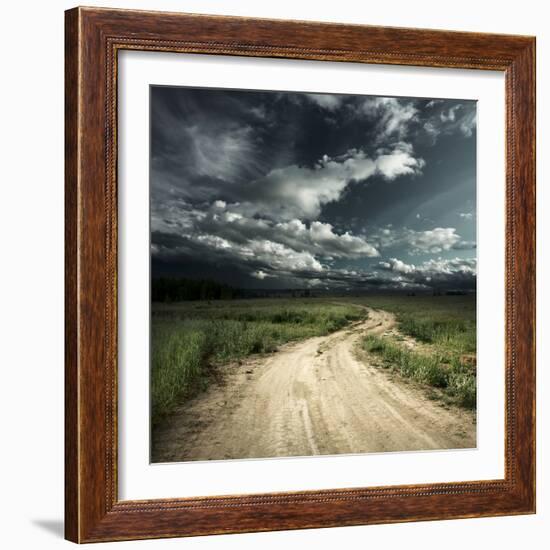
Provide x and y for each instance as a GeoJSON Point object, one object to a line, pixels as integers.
{"type": "Point", "coordinates": [313, 274]}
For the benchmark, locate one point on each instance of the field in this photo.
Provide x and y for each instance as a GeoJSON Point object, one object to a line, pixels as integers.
{"type": "Point", "coordinates": [189, 339]}
{"type": "Point", "coordinates": [434, 344]}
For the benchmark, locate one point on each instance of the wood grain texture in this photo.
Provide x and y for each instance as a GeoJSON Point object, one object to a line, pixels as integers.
{"type": "Point", "coordinates": [93, 38]}
{"type": "Point", "coordinates": [71, 273]}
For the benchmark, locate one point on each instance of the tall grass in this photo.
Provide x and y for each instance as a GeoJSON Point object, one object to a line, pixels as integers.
{"type": "Point", "coordinates": [177, 362]}
{"type": "Point", "coordinates": [440, 370]}
{"type": "Point", "coordinates": [456, 334]}
{"type": "Point", "coordinates": [187, 339]}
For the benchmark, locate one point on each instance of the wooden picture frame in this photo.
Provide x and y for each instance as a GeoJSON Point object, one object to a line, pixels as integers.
{"type": "Point", "coordinates": [93, 511]}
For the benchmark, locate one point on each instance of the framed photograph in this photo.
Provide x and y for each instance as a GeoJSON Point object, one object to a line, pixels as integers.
{"type": "Point", "coordinates": [300, 275]}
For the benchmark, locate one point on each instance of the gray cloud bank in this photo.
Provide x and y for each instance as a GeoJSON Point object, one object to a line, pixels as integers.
{"type": "Point", "coordinates": [242, 185]}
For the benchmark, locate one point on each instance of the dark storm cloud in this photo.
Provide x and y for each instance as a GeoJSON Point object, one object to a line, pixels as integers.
{"type": "Point", "coordinates": [289, 189]}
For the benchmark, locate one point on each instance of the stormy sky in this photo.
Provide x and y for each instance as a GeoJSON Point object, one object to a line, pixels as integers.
{"type": "Point", "coordinates": [296, 190]}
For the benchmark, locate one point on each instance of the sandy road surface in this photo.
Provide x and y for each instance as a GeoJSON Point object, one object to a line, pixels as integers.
{"type": "Point", "coordinates": [309, 398]}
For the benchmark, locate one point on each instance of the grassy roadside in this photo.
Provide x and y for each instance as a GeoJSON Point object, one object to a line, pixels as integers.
{"type": "Point", "coordinates": [455, 379]}
{"type": "Point", "coordinates": [445, 327]}
{"type": "Point", "coordinates": [189, 338]}
{"type": "Point", "coordinates": [446, 322]}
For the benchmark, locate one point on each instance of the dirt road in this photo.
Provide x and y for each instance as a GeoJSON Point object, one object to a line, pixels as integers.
{"type": "Point", "coordinates": [314, 397]}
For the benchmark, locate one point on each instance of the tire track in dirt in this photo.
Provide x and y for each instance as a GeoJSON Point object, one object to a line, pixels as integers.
{"type": "Point", "coordinates": [311, 397]}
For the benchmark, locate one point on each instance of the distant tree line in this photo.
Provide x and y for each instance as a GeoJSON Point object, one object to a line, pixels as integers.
{"type": "Point", "coordinates": [166, 289]}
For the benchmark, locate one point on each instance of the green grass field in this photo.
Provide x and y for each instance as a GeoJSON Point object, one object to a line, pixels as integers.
{"type": "Point", "coordinates": [446, 325]}
{"type": "Point", "coordinates": [188, 338]}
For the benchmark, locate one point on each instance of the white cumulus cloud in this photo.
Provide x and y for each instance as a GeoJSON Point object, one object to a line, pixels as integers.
{"type": "Point", "coordinates": [300, 191]}
{"type": "Point", "coordinates": [393, 115]}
